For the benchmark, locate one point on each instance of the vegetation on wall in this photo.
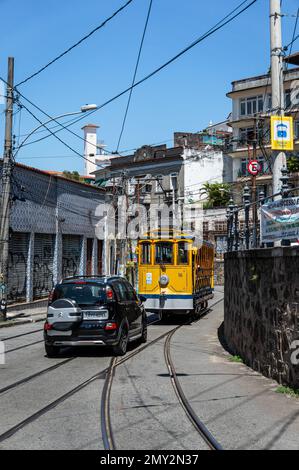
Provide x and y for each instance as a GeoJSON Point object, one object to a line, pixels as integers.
{"type": "Point", "coordinates": [72, 175]}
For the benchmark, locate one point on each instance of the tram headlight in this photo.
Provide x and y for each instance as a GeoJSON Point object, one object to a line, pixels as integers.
{"type": "Point", "coordinates": [164, 280]}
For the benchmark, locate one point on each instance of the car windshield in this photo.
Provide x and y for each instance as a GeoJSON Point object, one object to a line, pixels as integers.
{"type": "Point", "coordinates": [85, 294]}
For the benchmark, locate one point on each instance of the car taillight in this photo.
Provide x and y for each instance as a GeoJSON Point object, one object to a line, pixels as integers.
{"type": "Point", "coordinates": [109, 293]}
{"type": "Point", "coordinates": [47, 326]}
{"type": "Point", "coordinates": [110, 326]}
{"type": "Point", "coordinates": [51, 296]}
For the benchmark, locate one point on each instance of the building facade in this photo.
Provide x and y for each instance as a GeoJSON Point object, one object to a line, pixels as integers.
{"type": "Point", "coordinates": [250, 120]}
{"type": "Point", "coordinates": [52, 232]}
{"type": "Point", "coordinates": [174, 177]}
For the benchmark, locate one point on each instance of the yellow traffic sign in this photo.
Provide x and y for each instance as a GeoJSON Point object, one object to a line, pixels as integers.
{"type": "Point", "coordinates": [282, 133]}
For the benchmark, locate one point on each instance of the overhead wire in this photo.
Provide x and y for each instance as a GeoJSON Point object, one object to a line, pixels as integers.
{"type": "Point", "coordinates": [222, 23]}
{"type": "Point", "coordinates": [135, 74]}
{"type": "Point", "coordinates": [58, 138]}
{"type": "Point", "coordinates": [294, 33]}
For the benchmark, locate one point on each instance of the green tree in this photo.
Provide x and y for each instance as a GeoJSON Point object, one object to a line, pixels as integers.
{"type": "Point", "coordinates": [218, 195]}
{"type": "Point", "coordinates": [293, 164]}
{"type": "Point", "coordinates": [72, 175]}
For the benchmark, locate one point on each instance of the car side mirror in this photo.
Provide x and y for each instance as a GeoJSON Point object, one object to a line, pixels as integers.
{"type": "Point", "coordinates": [142, 298]}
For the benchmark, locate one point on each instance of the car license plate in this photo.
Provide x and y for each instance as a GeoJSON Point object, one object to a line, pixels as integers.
{"type": "Point", "coordinates": [95, 315]}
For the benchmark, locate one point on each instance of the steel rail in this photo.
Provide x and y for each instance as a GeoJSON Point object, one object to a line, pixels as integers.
{"type": "Point", "coordinates": [8, 338]}
{"type": "Point", "coordinates": [106, 428]}
{"type": "Point", "coordinates": [34, 376]}
{"type": "Point", "coordinates": [30, 419]}
{"type": "Point", "coordinates": [107, 431]}
{"type": "Point", "coordinates": [197, 423]}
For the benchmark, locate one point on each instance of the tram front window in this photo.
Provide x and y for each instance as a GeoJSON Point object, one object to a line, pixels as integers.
{"type": "Point", "coordinates": [164, 253]}
{"type": "Point", "coordinates": [146, 253]}
{"type": "Point", "coordinates": [183, 250]}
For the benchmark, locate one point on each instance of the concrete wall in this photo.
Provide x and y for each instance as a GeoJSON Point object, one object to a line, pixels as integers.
{"type": "Point", "coordinates": [219, 272]}
{"type": "Point", "coordinates": [262, 310]}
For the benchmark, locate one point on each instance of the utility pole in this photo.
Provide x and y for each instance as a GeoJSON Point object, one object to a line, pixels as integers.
{"type": "Point", "coordinates": [6, 187]}
{"type": "Point", "coordinates": [254, 198]}
{"type": "Point", "coordinates": [277, 78]}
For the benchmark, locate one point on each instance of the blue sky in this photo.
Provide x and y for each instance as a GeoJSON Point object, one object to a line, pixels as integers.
{"type": "Point", "coordinates": [183, 97]}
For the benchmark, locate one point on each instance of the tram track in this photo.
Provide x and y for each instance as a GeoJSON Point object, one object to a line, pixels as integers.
{"type": "Point", "coordinates": [40, 341]}
{"type": "Point", "coordinates": [43, 371]}
{"type": "Point", "coordinates": [24, 346]}
{"type": "Point", "coordinates": [102, 374]}
{"type": "Point", "coordinates": [8, 338]}
{"type": "Point", "coordinates": [195, 420]}
{"type": "Point", "coordinates": [34, 376]}
{"type": "Point", "coordinates": [107, 373]}
{"type": "Point", "coordinates": [106, 427]}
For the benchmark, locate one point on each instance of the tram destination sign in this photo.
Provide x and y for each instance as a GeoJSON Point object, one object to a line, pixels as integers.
{"type": "Point", "coordinates": [280, 220]}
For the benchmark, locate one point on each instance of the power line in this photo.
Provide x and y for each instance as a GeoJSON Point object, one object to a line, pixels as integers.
{"type": "Point", "coordinates": [76, 44]}
{"type": "Point", "coordinates": [293, 41]}
{"type": "Point", "coordinates": [135, 73]}
{"type": "Point", "coordinates": [226, 20]}
{"type": "Point", "coordinates": [46, 156]}
{"type": "Point", "coordinates": [52, 119]}
{"type": "Point", "coordinates": [294, 33]}
{"type": "Point", "coordinates": [211, 31]}
{"type": "Point", "coordinates": [45, 130]}
{"type": "Point", "coordinates": [58, 138]}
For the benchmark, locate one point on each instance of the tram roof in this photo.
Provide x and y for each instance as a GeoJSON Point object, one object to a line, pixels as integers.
{"type": "Point", "coordinates": [166, 234]}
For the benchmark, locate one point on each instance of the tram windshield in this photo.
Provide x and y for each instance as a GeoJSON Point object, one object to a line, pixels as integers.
{"type": "Point", "coordinates": [164, 253]}
{"type": "Point", "coordinates": [183, 251]}
{"type": "Point", "coordinates": [146, 253]}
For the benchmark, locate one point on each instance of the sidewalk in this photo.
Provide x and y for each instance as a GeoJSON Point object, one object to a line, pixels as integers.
{"type": "Point", "coordinates": [20, 314]}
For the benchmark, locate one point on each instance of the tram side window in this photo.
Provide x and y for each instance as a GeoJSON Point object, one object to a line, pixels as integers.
{"type": "Point", "coordinates": [183, 253]}
{"type": "Point", "coordinates": [146, 253]}
{"type": "Point", "coordinates": [164, 253]}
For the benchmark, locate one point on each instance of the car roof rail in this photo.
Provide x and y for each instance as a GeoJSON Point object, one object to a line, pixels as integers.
{"type": "Point", "coordinates": [94, 276]}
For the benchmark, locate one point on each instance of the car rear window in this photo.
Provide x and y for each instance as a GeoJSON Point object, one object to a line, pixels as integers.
{"type": "Point", "coordinates": [85, 294]}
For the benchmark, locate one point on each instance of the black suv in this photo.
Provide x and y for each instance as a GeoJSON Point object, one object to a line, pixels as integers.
{"type": "Point", "coordinates": [94, 311]}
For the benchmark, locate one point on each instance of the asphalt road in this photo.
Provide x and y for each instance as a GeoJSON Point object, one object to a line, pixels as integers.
{"type": "Point", "coordinates": [55, 403]}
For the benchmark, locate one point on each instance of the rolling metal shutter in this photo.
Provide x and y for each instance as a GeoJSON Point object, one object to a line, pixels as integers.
{"type": "Point", "coordinates": [71, 253]}
{"type": "Point", "coordinates": [43, 265]}
{"type": "Point", "coordinates": [17, 266]}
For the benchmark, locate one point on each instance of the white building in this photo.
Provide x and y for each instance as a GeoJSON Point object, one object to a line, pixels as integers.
{"type": "Point", "coordinates": [94, 153]}
{"type": "Point", "coordinates": [252, 107]}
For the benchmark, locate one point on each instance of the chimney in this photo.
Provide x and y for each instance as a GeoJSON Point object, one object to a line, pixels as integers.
{"type": "Point", "coordinates": [90, 148]}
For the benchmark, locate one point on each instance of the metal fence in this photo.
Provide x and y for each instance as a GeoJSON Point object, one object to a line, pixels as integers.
{"type": "Point", "coordinates": [244, 221]}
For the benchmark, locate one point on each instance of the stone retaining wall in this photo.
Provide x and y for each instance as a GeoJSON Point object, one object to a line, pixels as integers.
{"type": "Point", "coordinates": [262, 311]}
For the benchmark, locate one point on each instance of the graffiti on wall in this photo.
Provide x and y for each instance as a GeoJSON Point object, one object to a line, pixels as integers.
{"type": "Point", "coordinates": [70, 266]}
{"type": "Point", "coordinates": [17, 276]}
{"type": "Point", "coordinates": [42, 275]}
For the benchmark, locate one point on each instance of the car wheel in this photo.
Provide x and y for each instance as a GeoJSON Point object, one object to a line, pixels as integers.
{"type": "Point", "coordinates": [121, 348]}
{"type": "Point", "coordinates": [52, 351]}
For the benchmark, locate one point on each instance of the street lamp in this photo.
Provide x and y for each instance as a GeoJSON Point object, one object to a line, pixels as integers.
{"type": "Point", "coordinates": [84, 109]}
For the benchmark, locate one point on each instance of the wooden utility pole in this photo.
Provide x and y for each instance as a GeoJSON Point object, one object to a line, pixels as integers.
{"type": "Point", "coordinates": [6, 187]}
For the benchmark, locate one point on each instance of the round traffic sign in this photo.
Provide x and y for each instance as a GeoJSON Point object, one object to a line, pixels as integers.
{"type": "Point", "coordinates": [254, 167]}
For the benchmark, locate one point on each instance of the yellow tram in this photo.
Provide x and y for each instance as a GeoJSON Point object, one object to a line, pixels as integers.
{"type": "Point", "coordinates": [175, 273]}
